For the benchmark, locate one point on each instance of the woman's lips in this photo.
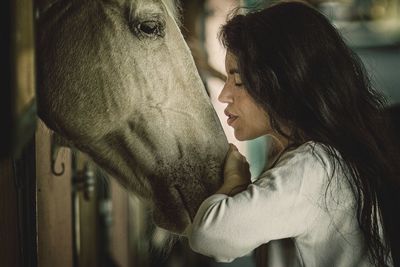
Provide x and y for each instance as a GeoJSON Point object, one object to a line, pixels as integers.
{"type": "Point", "coordinates": [231, 117]}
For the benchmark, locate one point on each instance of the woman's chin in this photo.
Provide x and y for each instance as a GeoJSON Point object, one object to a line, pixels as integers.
{"type": "Point", "coordinates": [241, 136]}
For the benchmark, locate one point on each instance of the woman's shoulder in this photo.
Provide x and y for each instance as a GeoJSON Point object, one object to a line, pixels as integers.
{"type": "Point", "coordinates": [311, 163]}
{"type": "Point", "coordinates": [316, 168]}
{"type": "Point", "coordinates": [308, 161]}
{"type": "Point", "coordinates": [309, 153]}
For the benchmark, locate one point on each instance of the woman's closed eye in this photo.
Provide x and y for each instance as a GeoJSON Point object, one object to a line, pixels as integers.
{"type": "Point", "coordinates": [238, 80]}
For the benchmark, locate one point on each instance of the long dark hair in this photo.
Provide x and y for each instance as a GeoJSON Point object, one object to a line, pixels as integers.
{"type": "Point", "coordinates": [294, 63]}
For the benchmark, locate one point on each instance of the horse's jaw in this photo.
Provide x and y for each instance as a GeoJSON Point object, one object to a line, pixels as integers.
{"type": "Point", "coordinates": [180, 188]}
{"type": "Point", "coordinates": [173, 175]}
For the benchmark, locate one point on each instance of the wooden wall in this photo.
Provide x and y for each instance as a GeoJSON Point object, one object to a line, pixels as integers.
{"type": "Point", "coordinates": [54, 204]}
{"type": "Point", "coordinates": [10, 253]}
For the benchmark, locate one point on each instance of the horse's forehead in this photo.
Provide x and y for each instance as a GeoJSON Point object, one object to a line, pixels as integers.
{"type": "Point", "coordinates": [172, 6]}
{"type": "Point", "coordinates": [137, 8]}
{"type": "Point", "coordinates": [139, 4]}
{"type": "Point", "coordinates": [45, 4]}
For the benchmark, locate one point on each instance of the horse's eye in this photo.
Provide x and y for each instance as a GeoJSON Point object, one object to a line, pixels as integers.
{"type": "Point", "coordinates": [150, 29]}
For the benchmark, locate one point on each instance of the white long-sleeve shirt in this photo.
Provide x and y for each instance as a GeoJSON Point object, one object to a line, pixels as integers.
{"type": "Point", "coordinates": [291, 200]}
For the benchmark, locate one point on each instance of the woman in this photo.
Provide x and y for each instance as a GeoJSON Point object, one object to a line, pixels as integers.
{"type": "Point", "coordinates": [330, 191]}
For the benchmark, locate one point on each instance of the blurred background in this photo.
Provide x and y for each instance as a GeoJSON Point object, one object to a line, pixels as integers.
{"type": "Point", "coordinates": [73, 214]}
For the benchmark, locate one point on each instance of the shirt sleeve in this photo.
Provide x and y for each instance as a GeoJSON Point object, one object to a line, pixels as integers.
{"type": "Point", "coordinates": [282, 203]}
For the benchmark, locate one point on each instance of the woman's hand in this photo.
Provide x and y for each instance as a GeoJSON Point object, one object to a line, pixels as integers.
{"type": "Point", "coordinates": [236, 173]}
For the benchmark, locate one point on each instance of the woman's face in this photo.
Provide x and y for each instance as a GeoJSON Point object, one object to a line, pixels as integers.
{"type": "Point", "coordinates": [245, 116]}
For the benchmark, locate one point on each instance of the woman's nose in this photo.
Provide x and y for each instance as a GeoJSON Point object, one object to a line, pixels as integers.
{"type": "Point", "coordinates": [225, 95]}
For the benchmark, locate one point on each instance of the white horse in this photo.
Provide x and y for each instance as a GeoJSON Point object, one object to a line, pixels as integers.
{"type": "Point", "coordinates": [117, 80]}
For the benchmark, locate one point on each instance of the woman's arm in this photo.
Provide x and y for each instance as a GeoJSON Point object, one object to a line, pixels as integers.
{"type": "Point", "coordinates": [278, 205]}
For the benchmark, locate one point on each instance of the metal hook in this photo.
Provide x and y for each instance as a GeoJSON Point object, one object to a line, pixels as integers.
{"type": "Point", "coordinates": [54, 153]}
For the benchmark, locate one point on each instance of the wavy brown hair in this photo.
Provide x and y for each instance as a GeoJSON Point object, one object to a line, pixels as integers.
{"type": "Point", "coordinates": [295, 64]}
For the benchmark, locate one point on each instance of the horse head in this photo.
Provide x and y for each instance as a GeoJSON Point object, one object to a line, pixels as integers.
{"type": "Point", "coordinates": [117, 80]}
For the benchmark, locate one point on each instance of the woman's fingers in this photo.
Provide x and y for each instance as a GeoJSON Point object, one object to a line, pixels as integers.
{"type": "Point", "coordinates": [233, 151]}
{"type": "Point", "coordinates": [237, 155]}
{"type": "Point", "coordinates": [236, 164]}
{"type": "Point", "coordinates": [232, 147]}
